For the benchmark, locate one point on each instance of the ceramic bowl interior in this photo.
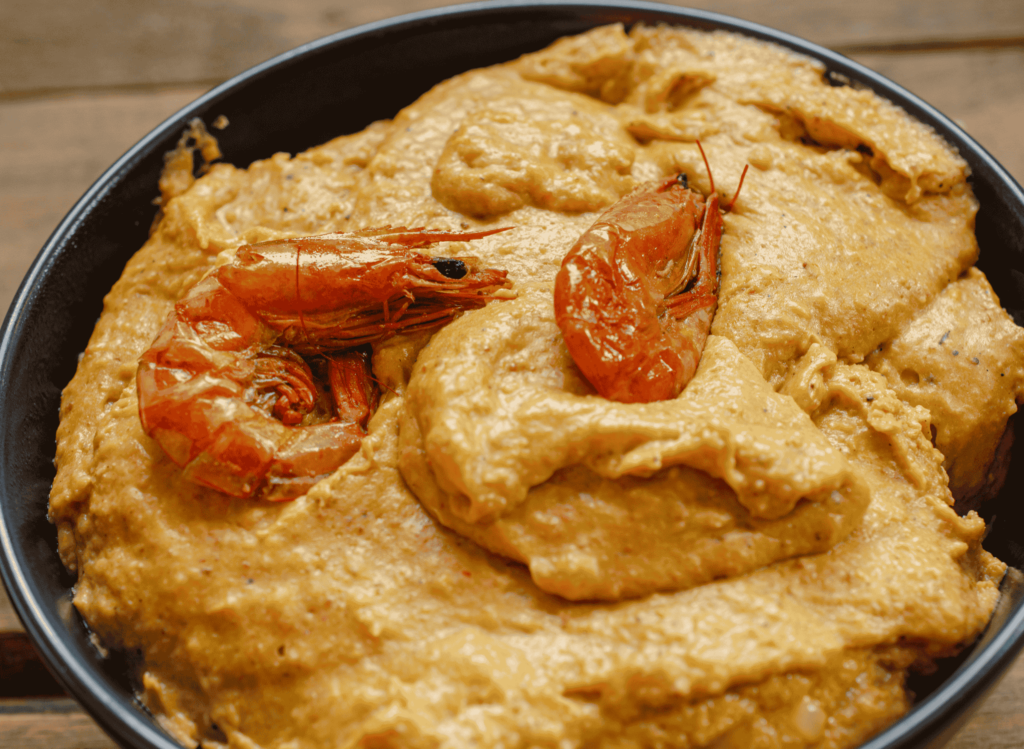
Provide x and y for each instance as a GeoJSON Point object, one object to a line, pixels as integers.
{"type": "Point", "coordinates": [339, 85]}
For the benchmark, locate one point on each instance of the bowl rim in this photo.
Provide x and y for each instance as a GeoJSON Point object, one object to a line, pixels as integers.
{"type": "Point", "coordinates": [943, 710]}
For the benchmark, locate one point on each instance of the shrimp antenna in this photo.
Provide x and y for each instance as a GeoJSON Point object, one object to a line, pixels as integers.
{"type": "Point", "coordinates": [737, 193]}
{"type": "Point", "coordinates": [706, 164]}
{"type": "Point", "coordinates": [302, 320]}
{"type": "Point", "coordinates": [382, 386]}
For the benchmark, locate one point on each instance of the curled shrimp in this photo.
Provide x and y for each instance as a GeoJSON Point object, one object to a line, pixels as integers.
{"type": "Point", "coordinates": [631, 323]}
{"type": "Point", "coordinates": [260, 382]}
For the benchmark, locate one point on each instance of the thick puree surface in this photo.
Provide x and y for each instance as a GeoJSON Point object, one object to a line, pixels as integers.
{"type": "Point", "coordinates": [511, 560]}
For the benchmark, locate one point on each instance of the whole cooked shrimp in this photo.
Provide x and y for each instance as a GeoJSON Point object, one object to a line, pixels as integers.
{"type": "Point", "coordinates": [260, 382]}
{"type": "Point", "coordinates": [621, 299]}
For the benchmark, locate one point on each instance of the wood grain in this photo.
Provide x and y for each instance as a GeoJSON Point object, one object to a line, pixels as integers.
{"type": "Point", "coordinates": [49, 724]}
{"type": "Point", "coordinates": [81, 82]}
{"type": "Point", "coordinates": [66, 45]}
{"type": "Point", "coordinates": [9, 621]}
{"type": "Point", "coordinates": [52, 150]}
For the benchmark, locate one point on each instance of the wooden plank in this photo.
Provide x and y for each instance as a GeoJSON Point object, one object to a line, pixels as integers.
{"type": "Point", "coordinates": [22, 673]}
{"type": "Point", "coordinates": [999, 722]}
{"type": "Point", "coordinates": [840, 24]}
{"type": "Point", "coordinates": [49, 724]}
{"type": "Point", "coordinates": [52, 150]}
{"type": "Point", "coordinates": [65, 45]}
{"type": "Point", "coordinates": [9, 621]}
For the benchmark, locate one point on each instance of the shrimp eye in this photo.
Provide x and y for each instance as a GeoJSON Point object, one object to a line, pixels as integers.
{"type": "Point", "coordinates": [683, 180]}
{"type": "Point", "coordinates": [450, 267]}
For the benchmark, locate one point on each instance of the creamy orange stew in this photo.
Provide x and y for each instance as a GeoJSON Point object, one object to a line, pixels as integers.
{"type": "Point", "coordinates": [511, 560]}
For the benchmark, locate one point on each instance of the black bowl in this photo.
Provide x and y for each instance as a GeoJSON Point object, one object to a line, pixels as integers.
{"type": "Point", "coordinates": [338, 85]}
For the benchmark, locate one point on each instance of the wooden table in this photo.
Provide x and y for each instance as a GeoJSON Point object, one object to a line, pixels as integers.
{"type": "Point", "coordinates": [81, 82]}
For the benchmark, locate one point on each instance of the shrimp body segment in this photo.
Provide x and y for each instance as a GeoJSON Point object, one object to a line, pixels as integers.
{"type": "Point", "coordinates": [621, 299]}
{"type": "Point", "coordinates": [260, 382]}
